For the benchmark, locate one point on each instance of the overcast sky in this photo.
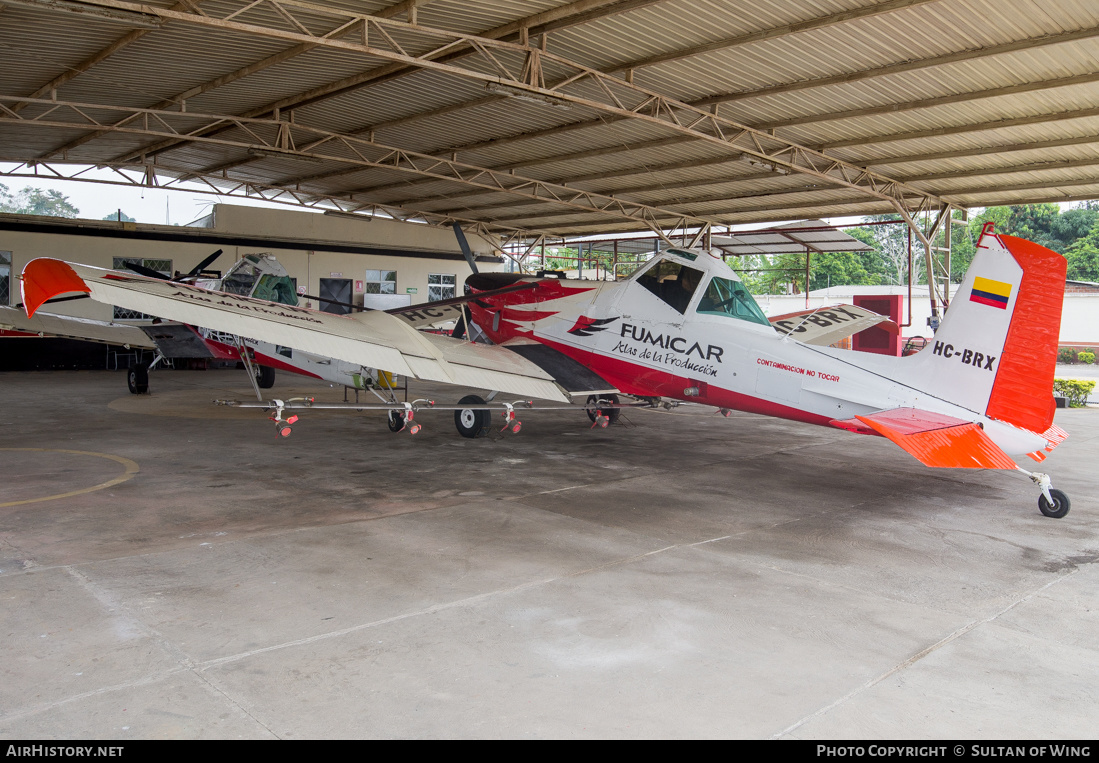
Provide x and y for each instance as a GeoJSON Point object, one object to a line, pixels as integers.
{"type": "Point", "coordinates": [147, 205]}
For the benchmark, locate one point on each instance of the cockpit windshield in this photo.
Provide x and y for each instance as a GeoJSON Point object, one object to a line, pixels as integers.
{"type": "Point", "coordinates": [261, 277]}
{"type": "Point", "coordinates": [727, 297]}
{"type": "Point", "coordinates": [672, 282]}
{"type": "Point", "coordinates": [276, 289]}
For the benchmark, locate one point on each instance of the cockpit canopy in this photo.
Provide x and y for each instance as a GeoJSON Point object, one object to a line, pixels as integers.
{"type": "Point", "coordinates": [260, 276]}
{"type": "Point", "coordinates": [677, 276]}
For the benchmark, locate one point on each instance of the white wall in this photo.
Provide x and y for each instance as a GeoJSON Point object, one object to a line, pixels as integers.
{"type": "Point", "coordinates": [365, 231]}
{"type": "Point", "coordinates": [307, 265]}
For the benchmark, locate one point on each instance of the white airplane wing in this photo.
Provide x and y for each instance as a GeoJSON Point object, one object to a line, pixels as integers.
{"type": "Point", "coordinates": [428, 316]}
{"type": "Point", "coordinates": [375, 339]}
{"type": "Point", "coordinates": [69, 327]}
{"type": "Point", "coordinates": [826, 325]}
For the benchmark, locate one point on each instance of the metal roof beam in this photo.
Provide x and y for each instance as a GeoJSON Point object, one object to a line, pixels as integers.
{"type": "Point", "coordinates": [981, 189]}
{"type": "Point", "coordinates": [621, 191]}
{"type": "Point", "coordinates": [819, 22]}
{"type": "Point", "coordinates": [574, 13]}
{"type": "Point", "coordinates": [673, 203]}
{"type": "Point", "coordinates": [659, 143]}
{"type": "Point", "coordinates": [715, 100]}
{"type": "Point", "coordinates": [131, 175]}
{"type": "Point", "coordinates": [775, 213]}
{"type": "Point", "coordinates": [935, 132]}
{"type": "Point", "coordinates": [956, 174]}
{"type": "Point", "coordinates": [1008, 170]}
{"type": "Point", "coordinates": [519, 67]}
{"type": "Point", "coordinates": [980, 151]}
{"type": "Point", "coordinates": [273, 138]}
{"type": "Point", "coordinates": [100, 55]}
{"type": "Point", "coordinates": [669, 205]}
{"type": "Point", "coordinates": [180, 100]}
{"type": "Point", "coordinates": [906, 66]}
{"type": "Point", "coordinates": [1046, 199]}
{"type": "Point", "coordinates": [925, 103]}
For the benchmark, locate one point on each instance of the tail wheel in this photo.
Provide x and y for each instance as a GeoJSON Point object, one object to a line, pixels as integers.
{"type": "Point", "coordinates": [470, 422]}
{"type": "Point", "coordinates": [610, 414]}
{"type": "Point", "coordinates": [265, 377]}
{"type": "Point", "coordinates": [137, 379]}
{"type": "Point", "coordinates": [396, 421]}
{"type": "Point", "coordinates": [1060, 505]}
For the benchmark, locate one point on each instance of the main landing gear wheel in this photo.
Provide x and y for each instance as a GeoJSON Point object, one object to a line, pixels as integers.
{"type": "Point", "coordinates": [610, 414]}
{"type": "Point", "coordinates": [395, 421]}
{"type": "Point", "coordinates": [137, 379]}
{"type": "Point", "coordinates": [471, 423]}
{"type": "Point", "coordinates": [1060, 505]}
{"type": "Point", "coordinates": [265, 377]}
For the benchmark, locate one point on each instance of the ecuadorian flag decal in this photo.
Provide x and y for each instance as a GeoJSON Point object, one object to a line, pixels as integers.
{"type": "Point", "coordinates": [991, 293]}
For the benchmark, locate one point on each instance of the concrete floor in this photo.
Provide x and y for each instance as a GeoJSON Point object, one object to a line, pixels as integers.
{"type": "Point", "coordinates": [170, 569]}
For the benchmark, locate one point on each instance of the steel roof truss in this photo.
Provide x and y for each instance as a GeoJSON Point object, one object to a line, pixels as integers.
{"type": "Point", "coordinates": [623, 98]}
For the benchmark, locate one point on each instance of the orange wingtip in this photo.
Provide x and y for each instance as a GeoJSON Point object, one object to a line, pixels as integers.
{"type": "Point", "coordinates": [46, 278]}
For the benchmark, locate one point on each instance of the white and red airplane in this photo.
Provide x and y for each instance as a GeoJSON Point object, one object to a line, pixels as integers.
{"type": "Point", "coordinates": [255, 275]}
{"type": "Point", "coordinates": [684, 328]}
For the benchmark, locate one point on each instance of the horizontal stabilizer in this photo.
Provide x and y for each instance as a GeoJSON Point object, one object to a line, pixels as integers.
{"type": "Point", "coordinates": [936, 439]}
{"type": "Point", "coordinates": [1054, 437]}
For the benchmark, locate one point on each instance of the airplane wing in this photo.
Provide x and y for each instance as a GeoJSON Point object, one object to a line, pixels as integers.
{"type": "Point", "coordinates": [69, 327]}
{"type": "Point", "coordinates": [428, 316]}
{"type": "Point", "coordinates": [827, 325]}
{"type": "Point", "coordinates": [434, 314]}
{"type": "Point", "coordinates": [375, 339]}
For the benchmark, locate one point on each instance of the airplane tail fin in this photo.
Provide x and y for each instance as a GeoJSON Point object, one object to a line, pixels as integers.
{"type": "Point", "coordinates": [996, 351]}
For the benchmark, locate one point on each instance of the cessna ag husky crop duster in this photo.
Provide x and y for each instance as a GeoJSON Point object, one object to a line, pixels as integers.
{"type": "Point", "coordinates": [256, 275]}
{"type": "Point", "coordinates": [684, 328]}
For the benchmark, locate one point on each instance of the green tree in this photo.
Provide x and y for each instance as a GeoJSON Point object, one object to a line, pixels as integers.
{"type": "Point", "coordinates": [120, 216]}
{"type": "Point", "coordinates": [837, 269]}
{"type": "Point", "coordinates": [963, 245]}
{"type": "Point", "coordinates": [891, 241]}
{"type": "Point", "coordinates": [1034, 222]}
{"type": "Point", "coordinates": [35, 201]}
{"type": "Point", "coordinates": [1083, 257]}
{"type": "Point", "coordinates": [878, 270]}
{"type": "Point", "coordinates": [1072, 225]}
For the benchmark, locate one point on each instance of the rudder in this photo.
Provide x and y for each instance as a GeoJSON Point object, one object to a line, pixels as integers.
{"type": "Point", "coordinates": [996, 350]}
{"type": "Point", "coordinates": [1023, 393]}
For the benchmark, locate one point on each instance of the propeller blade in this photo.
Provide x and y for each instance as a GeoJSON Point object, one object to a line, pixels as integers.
{"type": "Point", "coordinates": [466, 251]}
{"type": "Point", "coordinates": [141, 270]}
{"type": "Point", "coordinates": [460, 327]}
{"type": "Point", "coordinates": [204, 264]}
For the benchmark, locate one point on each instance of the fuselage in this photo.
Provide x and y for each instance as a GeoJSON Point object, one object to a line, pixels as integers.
{"type": "Point", "coordinates": [712, 346]}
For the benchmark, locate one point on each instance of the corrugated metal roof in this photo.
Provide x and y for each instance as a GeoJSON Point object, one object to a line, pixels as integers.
{"type": "Point", "coordinates": [963, 100]}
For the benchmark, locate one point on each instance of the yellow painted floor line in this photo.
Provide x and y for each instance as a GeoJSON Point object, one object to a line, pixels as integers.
{"type": "Point", "coordinates": [131, 470]}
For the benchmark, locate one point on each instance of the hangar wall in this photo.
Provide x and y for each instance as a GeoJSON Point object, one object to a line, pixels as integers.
{"type": "Point", "coordinates": [310, 246]}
